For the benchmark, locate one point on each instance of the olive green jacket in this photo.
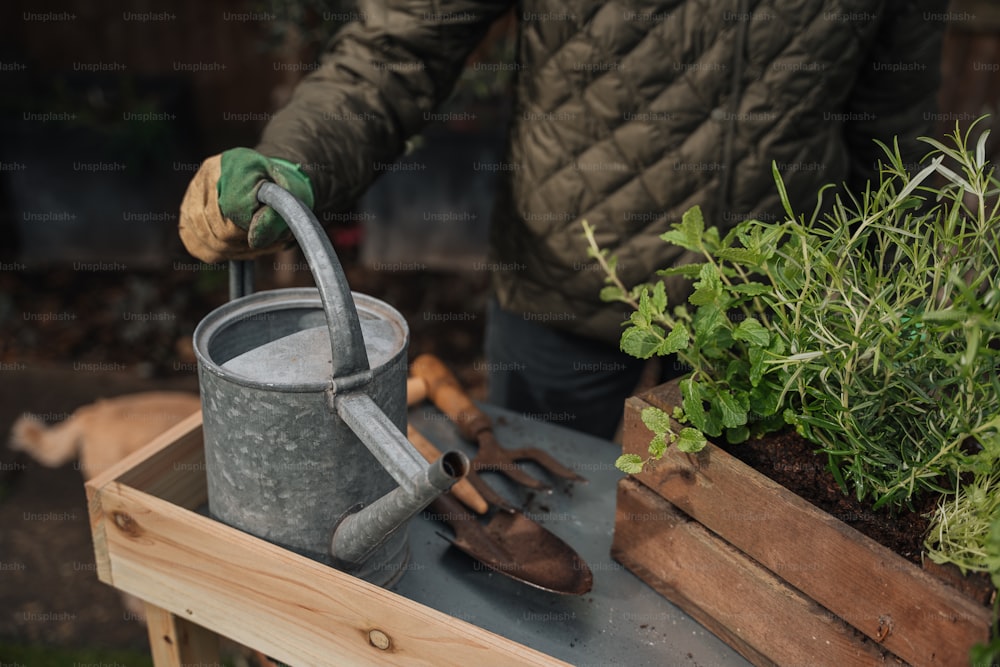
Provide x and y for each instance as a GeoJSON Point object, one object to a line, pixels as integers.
{"type": "Point", "coordinates": [626, 115]}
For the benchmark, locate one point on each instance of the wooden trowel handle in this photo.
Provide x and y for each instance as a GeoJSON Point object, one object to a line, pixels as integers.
{"type": "Point", "coordinates": [416, 391]}
{"type": "Point", "coordinates": [447, 394]}
{"type": "Point", "coordinates": [462, 490]}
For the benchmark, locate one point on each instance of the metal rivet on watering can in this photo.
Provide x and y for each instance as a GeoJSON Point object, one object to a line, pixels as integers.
{"type": "Point", "coordinates": [303, 396]}
{"type": "Point", "coordinates": [379, 639]}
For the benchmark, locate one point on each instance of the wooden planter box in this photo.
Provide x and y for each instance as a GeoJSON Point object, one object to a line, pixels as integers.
{"type": "Point", "coordinates": [779, 580]}
{"type": "Point", "coordinates": [201, 578]}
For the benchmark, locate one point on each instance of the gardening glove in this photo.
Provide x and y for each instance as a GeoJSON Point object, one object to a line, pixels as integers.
{"type": "Point", "coordinates": [220, 216]}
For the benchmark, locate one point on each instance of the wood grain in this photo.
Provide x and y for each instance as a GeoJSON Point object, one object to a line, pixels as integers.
{"type": "Point", "coordinates": [445, 391]}
{"type": "Point", "coordinates": [755, 612]}
{"type": "Point", "coordinates": [889, 599]}
{"type": "Point", "coordinates": [258, 594]}
{"type": "Point", "coordinates": [175, 454]}
{"type": "Point", "coordinates": [174, 642]}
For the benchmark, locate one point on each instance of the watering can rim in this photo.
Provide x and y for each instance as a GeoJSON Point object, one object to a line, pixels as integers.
{"type": "Point", "coordinates": [287, 298]}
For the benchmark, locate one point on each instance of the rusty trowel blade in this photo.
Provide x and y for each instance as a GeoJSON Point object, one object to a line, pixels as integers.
{"type": "Point", "coordinates": [517, 547]}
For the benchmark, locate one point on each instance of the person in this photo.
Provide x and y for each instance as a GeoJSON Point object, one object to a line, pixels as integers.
{"type": "Point", "coordinates": [626, 115]}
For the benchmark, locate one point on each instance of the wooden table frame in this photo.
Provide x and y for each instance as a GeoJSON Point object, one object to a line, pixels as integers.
{"type": "Point", "coordinates": [201, 579]}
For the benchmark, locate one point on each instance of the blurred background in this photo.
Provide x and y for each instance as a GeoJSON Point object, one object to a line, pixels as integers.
{"type": "Point", "coordinates": [106, 114]}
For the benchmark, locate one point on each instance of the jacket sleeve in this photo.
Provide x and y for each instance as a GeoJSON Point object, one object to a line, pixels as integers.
{"type": "Point", "coordinates": [895, 93]}
{"type": "Point", "coordinates": [378, 81]}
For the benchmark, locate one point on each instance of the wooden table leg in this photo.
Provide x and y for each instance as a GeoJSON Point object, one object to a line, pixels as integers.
{"type": "Point", "coordinates": [175, 641]}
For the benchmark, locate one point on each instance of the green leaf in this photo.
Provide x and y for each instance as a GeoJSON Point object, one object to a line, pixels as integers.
{"type": "Point", "coordinates": [659, 297]}
{"type": "Point", "coordinates": [740, 256]}
{"type": "Point", "coordinates": [691, 401]}
{"type": "Point", "coordinates": [687, 234]}
{"type": "Point", "coordinates": [686, 270]}
{"type": "Point", "coordinates": [757, 365]}
{"type": "Point", "coordinates": [753, 332]}
{"type": "Point", "coordinates": [946, 315]}
{"type": "Point", "coordinates": [710, 238]}
{"type": "Point", "coordinates": [677, 339]}
{"type": "Point", "coordinates": [777, 346]}
{"type": "Point", "coordinates": [751, 289]}
{"type": "Point", "coordinates": [655, 419]}
{"type": "Point", "coordinates": [641, 342]}
{"type": "Point", "coordinates": [708, 288]}
{"type": "Point", "coordinates": [764, 400]}
{"type": "Point", "coordinates": [707, 320]}
{"type": "Point", "coordinates": [639, 319]}
{"type": "Point", "coordinates": [658, 445]}
{"type": "Point", "coordinates": [713, 422]}
{"type": "Point", "coordinates": [646, 306]}
{"type": "Point", "coordinates": [691, 440]}
{"type": "Point", "coordinates": [710, 277]}
{"type": "Point", "coordinates": [629, 463]}
{"type": "Point", "coordinates": [733, 408]}
{"type": "Point", "coordinates": [703, 296]}
{"type": "Point", "coordinates": [736, 371]}
{"type": "Point", "coordinates": [612, 293]}
{"type": "Point", "coordinates": [737, 435]}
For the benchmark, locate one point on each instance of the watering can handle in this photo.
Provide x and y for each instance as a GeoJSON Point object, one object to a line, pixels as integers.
{"type": "Point", "coordinates": [240, 278]}
{"type": "Point", "coordinates": [348, 346]}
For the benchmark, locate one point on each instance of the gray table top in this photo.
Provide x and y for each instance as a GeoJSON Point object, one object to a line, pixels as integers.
{"type": "Point", "coordinates": [622, 621]}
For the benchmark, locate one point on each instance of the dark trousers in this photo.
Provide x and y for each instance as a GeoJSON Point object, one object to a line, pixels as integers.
{"type": "Point", "coordinates": [555, 376]}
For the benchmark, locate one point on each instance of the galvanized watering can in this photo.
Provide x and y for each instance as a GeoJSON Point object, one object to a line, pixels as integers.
{"type": "Point", "coordinates": [303, 396]}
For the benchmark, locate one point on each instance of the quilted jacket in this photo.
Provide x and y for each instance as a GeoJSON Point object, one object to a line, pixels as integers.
{"type": "Point", "coordinates": [626, 115]}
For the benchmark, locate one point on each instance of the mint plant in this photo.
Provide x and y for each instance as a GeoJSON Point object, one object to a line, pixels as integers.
{"type": "Point", "coordinates": [724, 336]}
{"type": "Point", "coordinates": [872, 327]}
{"type": "Point", "coordinates": [721, 338]}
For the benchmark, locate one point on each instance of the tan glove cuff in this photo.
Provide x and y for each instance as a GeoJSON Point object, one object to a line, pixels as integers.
{"type": "Point", "coordinates": [204, 231]}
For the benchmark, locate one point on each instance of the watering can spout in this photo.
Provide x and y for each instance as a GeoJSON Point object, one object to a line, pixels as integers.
{"type": "Point", "coordinates": [359, 533]}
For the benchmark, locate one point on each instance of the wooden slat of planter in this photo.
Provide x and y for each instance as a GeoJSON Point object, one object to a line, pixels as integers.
{"type": "Point", "coordinates": [164, 468]}
{"type": "Point", "coordinates": [263, 596]}
{"type": "Point", "coordinates": [754, 611]}
{"type": "Point", "coordinates": [915, 616]}
{"type": "Point", "coordinates": [171, 467]}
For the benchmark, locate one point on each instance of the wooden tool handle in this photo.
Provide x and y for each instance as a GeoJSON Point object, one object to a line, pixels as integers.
{"type": "Point", "coordinates": [462, 490]}
{"type": "Point", "coordinates": [447, 394]}
{"type": "Point", "coordinates": [416, 391]}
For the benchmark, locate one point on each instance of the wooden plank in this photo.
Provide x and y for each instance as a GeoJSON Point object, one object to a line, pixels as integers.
{"type": "Point", "coordinates": [174, 472]}
{"type": "Point", "coordinates": [175, 642]}
{"type": "Point", "coordinates": [891, 600]}
{"type": "Point", "coordinates": [755, 612]}
{"type": "Point", "coordinates": [289, 607]}
{"type": "Point", "coordinates": [171, 466]}
{"type": "Point", "coordinates": [97, 532]}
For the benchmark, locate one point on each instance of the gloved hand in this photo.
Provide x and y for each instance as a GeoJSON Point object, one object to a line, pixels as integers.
{"type": "Point", "coordinates": [220, 216]}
